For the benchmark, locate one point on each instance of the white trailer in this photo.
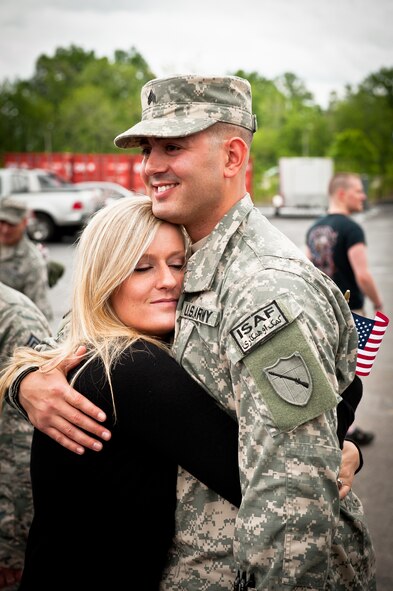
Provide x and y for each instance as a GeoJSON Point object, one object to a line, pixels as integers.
{"type": "Point", "coordinates": [304, 182]}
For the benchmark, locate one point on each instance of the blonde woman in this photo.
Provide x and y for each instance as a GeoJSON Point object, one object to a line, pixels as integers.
{"type": "Point", "coordinates": [91, 509]}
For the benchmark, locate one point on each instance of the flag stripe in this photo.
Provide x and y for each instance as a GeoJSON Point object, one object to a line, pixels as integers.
{"type": "Point", "coordinates": [370, 333]}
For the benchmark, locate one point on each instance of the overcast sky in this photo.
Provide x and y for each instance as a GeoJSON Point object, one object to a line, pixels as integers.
{"type": "Point", "coordinates": [326, 43]}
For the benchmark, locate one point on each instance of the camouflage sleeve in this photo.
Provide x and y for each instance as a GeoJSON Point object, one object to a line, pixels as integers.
{"type": "Point", "coordinates": [45, 343]}
{"type": "Point", "coordinates": [15, 490]}
{"type": "Point", "coordinates": [37, 285]}
{"type": "Point", "coordinates": [286, 392]}
{"type": "Point", "coordinates": [22, 324]}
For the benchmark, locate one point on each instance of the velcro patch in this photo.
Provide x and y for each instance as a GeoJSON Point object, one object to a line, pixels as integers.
{"type": "Point", "coordinates": [259, 327]}
{"type": "Point", "coordinates": [291, 379]}
{"type": "Point", "coordinates": [199, 314]}
{"type": "Point", "coordinates": [301, 391]}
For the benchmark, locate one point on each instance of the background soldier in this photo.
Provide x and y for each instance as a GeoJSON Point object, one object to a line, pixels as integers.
{"type": "Point", "coordinates": [21, 323]}
{"type": "Point", "coordinates": [22, 265]}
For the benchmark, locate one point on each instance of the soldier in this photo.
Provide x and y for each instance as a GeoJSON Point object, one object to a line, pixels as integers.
{"type": "Point", "coordinates": [21, 323]}
{"type": "Point", "coordinates": [268, 335]}
{"type": "Point", "coordinates": [22, 266]}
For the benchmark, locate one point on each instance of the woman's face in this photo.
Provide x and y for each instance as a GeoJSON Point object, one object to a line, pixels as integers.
{"type": "Point", "coordinates": [147, 299]}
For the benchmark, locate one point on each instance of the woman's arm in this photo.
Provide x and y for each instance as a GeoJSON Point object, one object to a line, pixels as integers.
{"type": "Point", "coordinates": [169, 412]}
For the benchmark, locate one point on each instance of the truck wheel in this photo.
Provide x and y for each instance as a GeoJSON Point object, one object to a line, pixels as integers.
{"type": "Point", "coordinates": [41, 228]}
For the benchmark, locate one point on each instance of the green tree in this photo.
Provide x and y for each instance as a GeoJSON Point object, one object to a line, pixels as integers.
{"type": "Point", "coordinates": [85, 122]}
{"type": "Point", "coordinates": [289, 124]}
{"type": "Point", "coordinates": [369, 109]}
{"type": "Point", "coordinates": [25, 118]}
{"type": "Point", "coordinates": [353, 151]}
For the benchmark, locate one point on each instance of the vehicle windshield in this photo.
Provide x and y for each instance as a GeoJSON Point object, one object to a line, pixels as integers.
{"type": "Point", "coordinates": [51, 181]}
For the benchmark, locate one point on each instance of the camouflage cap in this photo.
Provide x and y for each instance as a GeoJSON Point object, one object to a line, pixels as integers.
{"type": "Point", "coordinates": [12, 210]}
{"type": "Point", "coordinates": [182, 105]}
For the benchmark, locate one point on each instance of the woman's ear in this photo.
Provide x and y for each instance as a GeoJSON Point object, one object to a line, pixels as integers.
{"type": "Point", "coordinates": [237, 155]}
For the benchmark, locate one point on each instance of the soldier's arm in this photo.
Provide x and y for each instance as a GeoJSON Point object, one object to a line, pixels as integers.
{"type": "Point", "coordinates": [289, 452]}
{"type": "Point", "coordinates": [22, 324]}
{"type": "Point", "coordinates": [54, 407]}
{"type": "Point", "coordinates": [292, 469]}
{"type": "Point", "coordinates": [57, 409]}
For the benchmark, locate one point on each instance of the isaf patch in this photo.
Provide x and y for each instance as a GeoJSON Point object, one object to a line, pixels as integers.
{"type": "Point", "coordinates": [259, 327]}
{"type": "Point", "coordinates": [291, 379]}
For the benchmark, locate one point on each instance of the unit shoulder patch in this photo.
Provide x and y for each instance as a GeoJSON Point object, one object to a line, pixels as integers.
{"type": "Point", "coordinates": [291, 379]}
{"type": "Point", "coordinates": [259, 327]}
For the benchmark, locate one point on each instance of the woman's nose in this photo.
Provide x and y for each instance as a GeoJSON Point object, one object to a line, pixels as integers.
{"type": "Point", "coordinates": [167, 278]}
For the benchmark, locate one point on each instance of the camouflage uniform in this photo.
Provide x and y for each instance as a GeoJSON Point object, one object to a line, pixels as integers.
{"type": "Point", "coordinates": [21, 323]}
{"type": "Point", "coordinates": [24, 268]}
{"type": "Point", "coordinates": [273, 340]}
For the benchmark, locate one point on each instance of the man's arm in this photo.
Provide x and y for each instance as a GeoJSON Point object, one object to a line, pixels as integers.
{"type": "Point", "coordinates": [59, 411]}
{"type": "Point", "coordinates": [357, 255]}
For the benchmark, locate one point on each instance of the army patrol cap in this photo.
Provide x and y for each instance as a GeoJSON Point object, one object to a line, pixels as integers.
{"type": "Point", "coordinates": [12, 211]}
{"type": "Point", "coordinates": [182, 105]}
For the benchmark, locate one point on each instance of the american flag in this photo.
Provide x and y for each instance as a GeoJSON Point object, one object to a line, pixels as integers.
{"type": "Point", "coordinates": [370, 333]}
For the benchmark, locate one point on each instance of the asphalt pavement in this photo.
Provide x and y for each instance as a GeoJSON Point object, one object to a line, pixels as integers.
{"type": "Point", "coordinates": [374, 484]}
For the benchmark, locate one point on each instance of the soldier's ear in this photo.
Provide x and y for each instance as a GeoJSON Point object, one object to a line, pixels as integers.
{"type": "Point", "coordinates": [237, 154]}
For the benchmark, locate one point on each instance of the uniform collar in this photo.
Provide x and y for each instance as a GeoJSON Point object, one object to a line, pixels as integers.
{"type": "Point", "coordinates": [202, 265]}
{"type": "Point", "coordinates": [16, 250]}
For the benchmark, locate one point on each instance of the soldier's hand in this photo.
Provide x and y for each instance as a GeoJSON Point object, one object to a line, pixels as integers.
{"type": "Point", "coordinates": [56, 409]}
{"type": "Point", "coordinates": [350, 462]}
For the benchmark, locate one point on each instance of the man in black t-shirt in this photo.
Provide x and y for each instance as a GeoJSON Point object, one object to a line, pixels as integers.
{"type": "Point", "coordinates": [336, 244]}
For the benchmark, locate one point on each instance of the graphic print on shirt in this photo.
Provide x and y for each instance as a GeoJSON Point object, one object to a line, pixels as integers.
{"type": "Point", "coordinates": [322, 241]}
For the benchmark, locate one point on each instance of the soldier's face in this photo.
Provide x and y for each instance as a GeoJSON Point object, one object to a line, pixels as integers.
{"type": "Point", "coordinates": [184, 178]}
{"type": "Point", "coordinates": [147, 299]}
{"type": "Point", "coordinates": [11, 234]}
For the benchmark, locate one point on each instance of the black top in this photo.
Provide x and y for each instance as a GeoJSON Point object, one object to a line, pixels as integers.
{"type": "Point", "coordinates": [90, 510]}
{"type": "Point", "coordinates": [351, 398]}
{"type": "Point", "coordinates": [329, 240]}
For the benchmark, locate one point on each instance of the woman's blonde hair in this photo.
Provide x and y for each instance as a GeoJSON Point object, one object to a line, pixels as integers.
{"type": "Point", "coordinates": [107, 252]}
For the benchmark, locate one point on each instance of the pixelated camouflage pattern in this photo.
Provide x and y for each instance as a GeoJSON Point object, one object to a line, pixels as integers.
{"type": "Point", "coordinates": [21, 323]}
{"type": "Point", "coordinates": [291, 530]}
{"type": "Point", "coordinates": [49, 342]}
{"type": "Point", "coordinates": [24, 268]}
{"type": "Point", "coordinates": [182, 105]}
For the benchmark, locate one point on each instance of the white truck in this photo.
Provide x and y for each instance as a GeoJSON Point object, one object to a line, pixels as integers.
{"type": "Point", "coordinates": [303, 183]}
{"type": "Point", "coordinates": [56, 207]}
